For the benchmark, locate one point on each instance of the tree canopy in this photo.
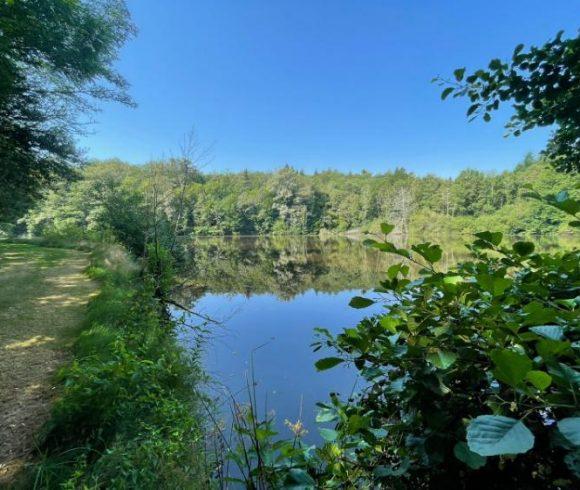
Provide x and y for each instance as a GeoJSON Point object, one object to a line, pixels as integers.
{"type": "Point", "coordinates": [111, 195]}
{"type": "Point", "coordinates": [56, 61]}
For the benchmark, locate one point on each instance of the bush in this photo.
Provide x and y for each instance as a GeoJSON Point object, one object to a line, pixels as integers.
{"type": "Point", "coordinates": [471, 375]}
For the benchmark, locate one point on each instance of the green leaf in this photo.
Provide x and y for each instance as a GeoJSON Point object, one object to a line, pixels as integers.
{"type": "Point", "coordinates": [565, 376]}
{"type": "Point", "coordinates": [389, 323]}
{"type": "Point", "coordinates": [569, 206]}
{"type": "Point", "coordinates": [326, 415]}
{"type": "Point", "coordinates": [384, 471]}
{"type": "Point", "coordinates": [539, 379]}
{"type": "Point", "coordinates": [459, 74]}
{"type": "Point", "coordinates": [552, 332]}
{"type": "Point", "coordinates": [360, 302]}
{"type": "Point", "coordinates": [446, 93]}
{"type": "Point", "coordinates": [494, 284]}
{"type": "Point", "coordinates": [402, 252]}
{"type": "Point", "coordinates": [572, 460]}
{"type": "Point", "coordinates": [327, 363]}
{"type": "Point", "coordinates": [386, 228]}
{"type": "Point", "coordinates": [441, 359]}
{"type": "Point", "coordinates": [431, 253]}
{"type": "Point", "coordinates": [532, 195]}
{"type": "Point", "coordinates": [453, 280]}
{"type": "Point", "coordinates": [563, 202]}
{"type": "Point", "coordinates": [356, 422]}
{"type": "Point", "coordinates": [369, 242]}
{"type": "Point", "coordinates": [494, 238]}
{"type": "Point", "coordinates": [518, 49]}
{"type": "Point", "coordinates": [382, 246]}
{"type": "Point", "coordinates": [511, 367]}
{"type": "Point", "coordinates": [523, 248]}
{"type": "Point", "coordinates": [537, 314]}
{"type": "Point", "coordinates": [570, 303]}
{"type": "Point", "coordinates": [390, 248]}
{"type": "Point", "coordinates": [298, 478]}
{"type": "Point", "coordinates": [263, 434]}
{"type": "Point", "coordinates": [329, 435]}
{"type": "Point", "coordinates": [396, 269]}
{"type": "Point", "coordinates": [570, 429]}
{"type": "Point", "coordinates": [472, 109]}
{"type": "Point", "coordinates": [471, 459]}
{"type": "Point", "coordinates": [549, 348]}
{"type": "Point", "coordinates": [493, 435]}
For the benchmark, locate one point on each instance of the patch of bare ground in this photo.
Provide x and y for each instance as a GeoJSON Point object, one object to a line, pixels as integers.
{"type": "Point", "coordinates": [43, 295]}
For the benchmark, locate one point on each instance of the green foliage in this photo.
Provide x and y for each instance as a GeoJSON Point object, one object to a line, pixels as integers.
{"type": "Point", "coordinates": [112, 202]}
{"type": "Point", "coordinates": [471, 459]}
{"type": "Point", "coordinates": [483, 355]}
{"type": "Point", "coordinates": [562, 201]}
{"type": "Point", "coordinates": [56, 59]}
{"type": "Point", "coordinates": [116, 198]}
{"type": "Point", "coordinates": [261, 461]}
{"type": "Point", "coordinates": [543, 86]}
{"type": "Point", "coordinates": [494, 435]}
{"type": "Point", "coordinates": [471, 377]}
{"type": "Point", "coordinates": [570, 429]}
{"type": "Point", "coordinates": [327, 363]}
{"type": "Point", "coordinates": [129, 412]}
{"type": "Point", "coordinates": [359, 302]}
{"type": "Point", "coordinates": [159, 264]}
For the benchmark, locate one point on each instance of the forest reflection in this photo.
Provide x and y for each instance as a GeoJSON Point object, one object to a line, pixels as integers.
{"type": "Point", "coordinates": [287, 266]}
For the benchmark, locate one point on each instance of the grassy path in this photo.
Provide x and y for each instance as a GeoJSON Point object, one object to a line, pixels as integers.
{"type": "Point", "coordinates": [43, 293]}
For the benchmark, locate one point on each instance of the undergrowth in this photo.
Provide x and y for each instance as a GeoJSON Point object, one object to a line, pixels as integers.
{"type": "Point", "coordinates": [128, 413]}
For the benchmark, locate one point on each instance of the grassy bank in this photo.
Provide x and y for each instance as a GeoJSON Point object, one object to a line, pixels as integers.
{"type": "Point", "coordinates": [128, 415]}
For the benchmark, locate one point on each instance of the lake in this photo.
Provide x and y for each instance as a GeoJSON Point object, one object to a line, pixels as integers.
{"type": "Point", "coordinates": [268, 293]}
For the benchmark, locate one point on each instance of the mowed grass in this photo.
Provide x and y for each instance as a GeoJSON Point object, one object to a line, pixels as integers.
{"type": "Point", "coordinates": [43, 294]}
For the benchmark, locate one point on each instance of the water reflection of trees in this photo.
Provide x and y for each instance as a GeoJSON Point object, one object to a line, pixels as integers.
{"type": "Point", "coordinates": [289, 265]}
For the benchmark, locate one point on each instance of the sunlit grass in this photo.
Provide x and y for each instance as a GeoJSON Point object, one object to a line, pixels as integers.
{"type": "Point", "coordinates": [43, 294]}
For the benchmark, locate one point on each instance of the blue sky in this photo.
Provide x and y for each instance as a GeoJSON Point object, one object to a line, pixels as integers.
{"type": "Point", "coordinates": [341, 84]}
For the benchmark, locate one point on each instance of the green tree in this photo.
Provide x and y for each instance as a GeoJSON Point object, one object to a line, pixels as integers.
{"type": "Point", "coordinates": [543, 85]}
{"type": "Point", "coordinates": [56, 61]}
{"type": "Point", "coordinates": [470, 192]}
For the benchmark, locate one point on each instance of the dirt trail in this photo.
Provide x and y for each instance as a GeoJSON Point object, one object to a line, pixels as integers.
{"type": "Point", "coordinates": [43, 294]}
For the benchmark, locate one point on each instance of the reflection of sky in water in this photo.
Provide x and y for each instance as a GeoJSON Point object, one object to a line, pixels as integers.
{"type": "Point", "coordinates": [284, 364]}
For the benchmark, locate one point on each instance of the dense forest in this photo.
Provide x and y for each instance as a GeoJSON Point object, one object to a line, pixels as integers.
{"type": "Point", "coordinates": [110, 196]}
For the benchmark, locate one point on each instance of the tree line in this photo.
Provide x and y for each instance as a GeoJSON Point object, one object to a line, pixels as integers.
{"type": "Point", "coordinates": [111, 197]}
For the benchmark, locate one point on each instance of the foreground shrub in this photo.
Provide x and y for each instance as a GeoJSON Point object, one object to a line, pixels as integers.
{"type": "Point", "coordinates": [472, 375]}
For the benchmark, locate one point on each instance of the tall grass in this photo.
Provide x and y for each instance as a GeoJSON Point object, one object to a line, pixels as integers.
{"type": "Point", "coordinates": [129, 411]}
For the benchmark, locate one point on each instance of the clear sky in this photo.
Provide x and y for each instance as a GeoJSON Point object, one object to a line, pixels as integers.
{"type": "Point", "coordinates": [320, 84]}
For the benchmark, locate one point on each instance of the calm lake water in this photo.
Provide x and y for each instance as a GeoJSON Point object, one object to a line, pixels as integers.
{"type": "Point", "coordinates": [268, 294]}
